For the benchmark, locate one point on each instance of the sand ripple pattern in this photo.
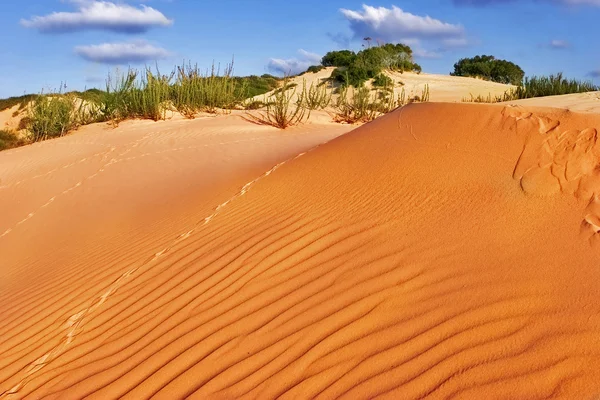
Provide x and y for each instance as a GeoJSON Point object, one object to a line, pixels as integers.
{"type": "Point", "coordinates": [400, 260]}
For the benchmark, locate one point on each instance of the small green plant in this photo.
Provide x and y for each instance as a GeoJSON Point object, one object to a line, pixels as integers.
{"type": "Point", "coordinates": [315, 98]}
{"type": "Point", "coordinates": [358, 108]}
{"type": "Point", "coordinates": [425, 94]}
{"type": "Point", "coordinates": [281, 113]}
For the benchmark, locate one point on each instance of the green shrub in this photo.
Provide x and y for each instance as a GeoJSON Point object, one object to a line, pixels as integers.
{"type": "Point", "coordinates": [384, 81]}
{"type": "Point", "coordinates": [369, 63]}
{"type": "Point", "coordinates": [342, 58]}
{"type": "Point", "coordinates": [52, 116]}
{"type": "Point", "coordinates": [489, 68]}
{"type": "Point", "coordinates": [313, 69]}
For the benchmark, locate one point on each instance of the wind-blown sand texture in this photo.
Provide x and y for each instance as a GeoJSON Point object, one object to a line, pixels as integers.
{"type": "Point", "coordinates": [441, 251]}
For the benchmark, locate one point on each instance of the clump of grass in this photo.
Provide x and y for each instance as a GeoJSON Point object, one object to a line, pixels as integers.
{"type": "Point", "coordinates": [194, 92]}
{"type": "Point", "coordinates": [147, 99]}
{"type": "Point", "coordinates": [506, 96]}
{"type": "Point", "coordinates": [9, 140]}
{"type": "Point", "coordinates": [114, 102]}
{"type": "Point", "coordinates": [540, 86]}
{"type": "Point", "coordinates": [358, 108]}
{"type": "Point", "coordinates": [281, 113]}
{"type": "Point", "coordinates": [316, 97]}
{"type": "Point", "coordinates": [52, 116]}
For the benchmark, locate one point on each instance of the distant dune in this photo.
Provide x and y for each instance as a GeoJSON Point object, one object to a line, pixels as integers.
{"type": "Point", "coordinates": [444, 88]}
{"type": "Point", "coordinates": [441, 251]}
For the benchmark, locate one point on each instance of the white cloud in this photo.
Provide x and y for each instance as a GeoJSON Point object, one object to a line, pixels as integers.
{"type": "Point", "coordinates": [100, 15]}
{"type": "Point", "coordinates": [122, 53]}
{"type": "Point", "coordinates": [294, 66]}
{"type": "Point", "coordinates": [394, 25]}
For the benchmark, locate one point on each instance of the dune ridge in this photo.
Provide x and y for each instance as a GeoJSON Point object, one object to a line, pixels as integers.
{"type": "Point", "coordinates": [441, 251]}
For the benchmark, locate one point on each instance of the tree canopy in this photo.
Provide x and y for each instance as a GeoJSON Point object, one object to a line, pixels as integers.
{"type": "Point", "coordinates": [490, 68]}
{"type": "Point", "coordinates": [356, 68]}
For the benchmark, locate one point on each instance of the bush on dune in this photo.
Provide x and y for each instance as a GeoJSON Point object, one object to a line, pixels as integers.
{"type": "Point", "coordinates": [489, 68]}
{"type": "Point", "coordinates": [355, 69]}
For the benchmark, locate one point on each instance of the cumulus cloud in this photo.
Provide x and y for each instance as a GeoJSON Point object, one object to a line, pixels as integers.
{"type": "Point", "coordinates": [394, 24]}
{"type": "Point", "coordinates": [100, 15]}
{"type": "Point", "coordinates": [295, 65]}
{"type": "Point", "coordinates": [121, 53]}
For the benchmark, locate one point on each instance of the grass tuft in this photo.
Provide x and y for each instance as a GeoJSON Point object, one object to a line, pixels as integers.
{"type": "Point", "coordinates": [281, 113]}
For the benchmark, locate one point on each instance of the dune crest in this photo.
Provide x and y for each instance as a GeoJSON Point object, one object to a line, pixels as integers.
{"type": "Point", "coordinates": [438, 252]}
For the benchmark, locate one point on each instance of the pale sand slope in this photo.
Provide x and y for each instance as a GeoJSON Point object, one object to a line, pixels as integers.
{"type": "Point", "coordinates": [442, 88]}
{"type": "Point", "coordinates": [77, 213]}
{"type": "Point", "coordinates": [579, 102]}
{"type": "Point", "coordinates": [442, 251]}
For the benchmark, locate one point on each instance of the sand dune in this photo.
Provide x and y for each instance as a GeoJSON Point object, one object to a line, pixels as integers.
{"type": "Point", "coordinates": [442, 251]}
{"type": "Point", "coordinates": [443, 88]}
{"type": "Point", "coordinates": [579, 102]}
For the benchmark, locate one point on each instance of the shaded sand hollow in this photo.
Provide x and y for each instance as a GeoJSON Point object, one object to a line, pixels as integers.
{"type": "Point", "coordinates": [442, 251]}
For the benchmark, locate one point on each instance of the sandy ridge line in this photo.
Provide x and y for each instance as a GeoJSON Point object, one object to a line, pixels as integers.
{"type": "Point", "coordinates": [75, 322]}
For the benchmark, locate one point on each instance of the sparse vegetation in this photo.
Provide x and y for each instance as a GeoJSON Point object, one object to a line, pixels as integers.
{"type": "Point", "coordinates": [489, 68]}
{"type": "Point", "coordinates": [280, 112]}
{"type": "Point", "coordinates": [535, 86]}
{"type": "Point", "coordinates": [150, 95]}
{"type": "Point", "coordinates": [507, 96]}
{"type": "Point", "coordinates": [21, 101]}
{"type": "Point", "coordinates": [313, 69]}
{"type": "Point", "coordinates": [360, 105]}
{"type": "Point", "coordinates": [540, 86]}
{"type": "Point", "coordinates": [51, 116]}
{"type": "Point", "coordinates": [194, 92]}
{"type": "Point", "coordinates": [315, 97]}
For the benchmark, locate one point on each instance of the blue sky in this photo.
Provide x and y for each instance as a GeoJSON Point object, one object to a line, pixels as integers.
{"type": "Point", "coordinates": [79, 41]}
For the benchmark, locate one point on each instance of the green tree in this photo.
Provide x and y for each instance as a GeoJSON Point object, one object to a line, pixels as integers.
{"type": "Point", "coordinates": [342, 58]}
{"type": "Point", "coordinates": [490, 68]}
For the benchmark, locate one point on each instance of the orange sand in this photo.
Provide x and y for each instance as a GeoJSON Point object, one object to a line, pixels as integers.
{"type": "Point", "coordinates": [442, 251]}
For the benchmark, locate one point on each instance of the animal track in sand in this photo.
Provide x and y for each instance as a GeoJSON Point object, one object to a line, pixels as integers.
{"type": "Point", "coordinates": [75, 322]}
{"type": "Point", "coordinates": [115, 160]}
